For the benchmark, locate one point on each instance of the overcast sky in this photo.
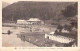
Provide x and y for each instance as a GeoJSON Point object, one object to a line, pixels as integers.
{"type": "Point", "coordinates": [12, 1]}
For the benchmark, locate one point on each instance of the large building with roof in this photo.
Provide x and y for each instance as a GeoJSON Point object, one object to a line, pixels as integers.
{"type": "Point", "coordinates": [35, 21]}
{"type": "Point", "coordinates": [31, 21]}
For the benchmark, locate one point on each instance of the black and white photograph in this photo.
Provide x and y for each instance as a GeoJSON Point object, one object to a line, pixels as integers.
{"type": "Point", "coordinates": [39, 24]}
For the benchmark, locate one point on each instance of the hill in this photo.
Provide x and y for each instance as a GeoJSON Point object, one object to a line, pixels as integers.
{"type": "Point", "coordinates": [28, 9]}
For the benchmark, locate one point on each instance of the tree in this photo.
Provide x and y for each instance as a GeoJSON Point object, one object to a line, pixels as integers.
{"type": "Point", "coordinates": [70, 10]}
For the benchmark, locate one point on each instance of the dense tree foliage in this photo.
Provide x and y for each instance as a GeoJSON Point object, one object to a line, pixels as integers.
{"type": "Point", "coordinates": [26, 10]}
{"type": "Point", "coordinates": [71, 10]}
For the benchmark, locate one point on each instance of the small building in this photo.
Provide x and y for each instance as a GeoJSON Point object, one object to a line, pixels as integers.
{"type": "Point", "coordinates": [49, 35]}
{"type": "Point", "coordinates": [22, 23]}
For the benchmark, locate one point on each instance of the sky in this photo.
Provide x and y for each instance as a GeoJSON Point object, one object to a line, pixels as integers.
{"type": "Point", "coordinates": [12, 1]}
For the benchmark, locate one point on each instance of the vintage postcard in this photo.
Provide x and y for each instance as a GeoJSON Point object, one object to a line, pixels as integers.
{"type": "Point", "coordinates": [39, 25]}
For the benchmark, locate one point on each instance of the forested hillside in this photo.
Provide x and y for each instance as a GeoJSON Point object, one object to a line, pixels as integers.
{"type": "Point", "coordinates": [28, 9]}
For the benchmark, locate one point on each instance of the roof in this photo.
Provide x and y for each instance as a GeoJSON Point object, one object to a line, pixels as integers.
{"type": "Point", "coordinates": [52, 32]}
{"type": "Point", "coordinates": [34, 19]}
{"type": "Point", "coordinates": [21, 20]}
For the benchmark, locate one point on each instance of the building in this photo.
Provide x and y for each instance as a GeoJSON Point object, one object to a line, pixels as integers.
{"type": "Point", "coordinates": [35, 21]}
{"type": "Point", "coordinates": [59, 38]}
{"type": "Point", "coordinates": [31, 21]}
{"type": "Point", "coordinates": [50, 35]}
{"type": "Point", "coordinates": [22, 23]}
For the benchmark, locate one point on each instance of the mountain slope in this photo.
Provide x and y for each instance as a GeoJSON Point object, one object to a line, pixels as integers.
{"type": "Point", "coordinates": [26, 10]}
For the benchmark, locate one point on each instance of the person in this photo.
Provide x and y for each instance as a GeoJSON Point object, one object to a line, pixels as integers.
{"type": "Point", "coordinates": [9, 32]}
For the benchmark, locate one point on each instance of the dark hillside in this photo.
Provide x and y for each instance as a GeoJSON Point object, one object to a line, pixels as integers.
{"type": "Point", "coordinates": [26, 10]}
